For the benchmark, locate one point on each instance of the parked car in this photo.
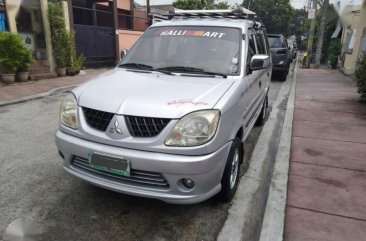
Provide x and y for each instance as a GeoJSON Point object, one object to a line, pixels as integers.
{"type": "Point", "coordinates": [293, 51]}
{"type": "Point", "coordinates": [281, 55]}
{"type": "Point", "coordinates": [170, 120]}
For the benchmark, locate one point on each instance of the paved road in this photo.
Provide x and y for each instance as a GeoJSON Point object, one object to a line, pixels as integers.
{"type": "Point", "coordinates": [33, 184]}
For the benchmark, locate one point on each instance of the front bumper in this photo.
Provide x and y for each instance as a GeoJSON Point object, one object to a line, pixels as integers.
{"type": "Point", "coordinates": [206, 171]}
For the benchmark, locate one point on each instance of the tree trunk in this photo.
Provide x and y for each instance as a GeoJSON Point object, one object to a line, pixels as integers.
{"type": "Point", "coordinates": [319, 45]}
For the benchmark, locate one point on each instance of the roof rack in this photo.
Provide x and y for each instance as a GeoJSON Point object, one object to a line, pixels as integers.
{"type": "Point", "coordinates": [237, 13]}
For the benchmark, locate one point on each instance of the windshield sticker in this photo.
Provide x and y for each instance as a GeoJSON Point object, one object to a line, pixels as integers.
{"type": "Point", "coordinates": [183, 102]}
{"type": "Point", "coordinates": [207, 34]}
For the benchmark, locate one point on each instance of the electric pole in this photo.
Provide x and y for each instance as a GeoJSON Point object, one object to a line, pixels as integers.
{"type": "Point", "coordinates": [311, 35]}
{"type": "Point", "coordinates": [319, 45]}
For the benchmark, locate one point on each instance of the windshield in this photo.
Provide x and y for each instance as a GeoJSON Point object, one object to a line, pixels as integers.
{"type": "Point", "coordinates": [275, 42]}
{"type": "Point", "coordinates": [187, 49]}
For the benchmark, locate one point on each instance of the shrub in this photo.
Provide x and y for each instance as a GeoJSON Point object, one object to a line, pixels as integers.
{"type": "Point", "coordinates": [13, 54]}
{"type": "Point", "coordinates": [333, 51]}
{"type": "Point", "coordinates": [361, 78]}
{"type": "Point", "coordinates": [63, 41]}
{"type": "Point", "coordinates": [59, 34]}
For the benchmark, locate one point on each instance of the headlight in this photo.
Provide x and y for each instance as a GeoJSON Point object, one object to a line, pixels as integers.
{"type": "Point", "coordinates": [194, 129]}
{"type": "Point", "coordinates": [68, 112]}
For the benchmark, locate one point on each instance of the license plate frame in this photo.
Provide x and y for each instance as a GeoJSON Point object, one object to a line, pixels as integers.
{"type": "Point", "coordinates": [112, 164]}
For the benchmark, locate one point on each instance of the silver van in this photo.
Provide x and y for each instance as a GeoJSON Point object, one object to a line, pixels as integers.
{"type": "Point", "coordinates": [170, 120]}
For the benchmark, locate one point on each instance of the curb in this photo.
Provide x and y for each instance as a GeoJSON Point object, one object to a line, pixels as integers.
{"type": "Point", "coordinates": [274, 217]}
{"type": "Point", "coordinates": [36, 96]}
{"type": "Point", "coordinates": [245, 216]}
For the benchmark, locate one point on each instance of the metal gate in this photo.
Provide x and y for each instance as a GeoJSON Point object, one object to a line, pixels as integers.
{"type": "Point", "coordinates": [95, 34]}
{"type": "Point", "coordinates": [96, 43]}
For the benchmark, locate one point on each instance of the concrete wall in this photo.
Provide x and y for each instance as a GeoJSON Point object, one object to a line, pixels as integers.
{"type": "Point", "coordinates": [127, 38]}
{"type": "Point", "coordinates": [139, 22]}
{"type": "Point", "coordinates": [357, 23]}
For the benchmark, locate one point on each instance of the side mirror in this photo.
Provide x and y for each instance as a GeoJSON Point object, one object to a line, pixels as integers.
{"type": "Point", "coordinates": [123, 53]}
{"type": "Point", "coordinates": [259, 61]}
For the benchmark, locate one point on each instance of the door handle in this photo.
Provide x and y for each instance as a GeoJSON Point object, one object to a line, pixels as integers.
{"type": "Point", "coordinates": [260, 84]}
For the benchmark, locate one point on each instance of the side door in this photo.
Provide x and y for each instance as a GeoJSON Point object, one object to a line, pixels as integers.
{"type": "Point", "coordinates": [249, 82]}
{"type": "Point", "coordinates": [268, 70]}
{"type": "Point", "coordinates": [261, 79]}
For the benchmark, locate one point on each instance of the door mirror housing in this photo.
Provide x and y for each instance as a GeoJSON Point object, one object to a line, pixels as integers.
{"type": "Point", "coordinates": [259, 61]}
{"type": "Point", "coordinates": [123, 53]}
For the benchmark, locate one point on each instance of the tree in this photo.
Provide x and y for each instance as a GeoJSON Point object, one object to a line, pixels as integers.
{"type": "Point", "coordinates": [277, 15]}
{"type": "Point", "coordinates": [200, 4]}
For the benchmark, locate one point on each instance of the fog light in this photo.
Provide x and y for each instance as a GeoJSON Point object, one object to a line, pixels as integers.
{"type": "Point", "coordinates": [188, 182]}
{"type": "Point", "coordinates": [61, 155]}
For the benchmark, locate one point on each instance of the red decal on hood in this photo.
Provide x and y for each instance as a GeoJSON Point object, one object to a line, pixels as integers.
{"type": "Point", "coordinates": [183, 102]}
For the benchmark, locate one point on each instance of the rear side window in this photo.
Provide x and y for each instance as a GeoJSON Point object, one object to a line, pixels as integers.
{"type": "Point", "coordinates": [260, 43]}
{"type": "Point", "coordinates": [275, 42]}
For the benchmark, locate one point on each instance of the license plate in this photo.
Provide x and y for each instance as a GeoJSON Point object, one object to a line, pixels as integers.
{"type": "Point", "coordinates": [115, 165]}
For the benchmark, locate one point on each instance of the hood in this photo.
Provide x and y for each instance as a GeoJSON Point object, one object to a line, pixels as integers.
{"type": "Point", "coordinates": [125, 92]}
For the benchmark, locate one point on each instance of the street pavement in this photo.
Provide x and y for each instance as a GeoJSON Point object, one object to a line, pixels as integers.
{"type": "Point", "coordinates": [33, 184]}
{"type": "Point", "coordinates": [29, 89]}
{"type": "Point", "coordinates": [327, 177]}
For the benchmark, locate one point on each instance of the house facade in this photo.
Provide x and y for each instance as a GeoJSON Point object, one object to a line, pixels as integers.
{"type": "Point", "coordinates": [353, 37]}
{"type": "Point", "coordinates": [102, 28]}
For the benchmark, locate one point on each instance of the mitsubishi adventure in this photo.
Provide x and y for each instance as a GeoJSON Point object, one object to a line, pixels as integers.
{"type": "Point", "coordinates": [169, 121]}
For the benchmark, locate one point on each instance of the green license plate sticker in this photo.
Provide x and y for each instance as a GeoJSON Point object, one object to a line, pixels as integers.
{"type": "Point", "coordinates": [111, 164]}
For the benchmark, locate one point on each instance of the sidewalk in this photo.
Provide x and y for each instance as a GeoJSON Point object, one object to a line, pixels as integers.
{"type": "Point", "coordinates": [327, 177]}
{"type": "Point", "coordinates": [31, 88]}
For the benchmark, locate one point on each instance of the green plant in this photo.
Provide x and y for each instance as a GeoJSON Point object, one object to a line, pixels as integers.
{"type": "Point", "coordinates": [13, 54]}
{"type": "Point", "coordinates": [74, 60]}
{"type": "Point", "coordinates": [59, 34]}
{"type": "Point", "coordinates": [26, 59]}
{"type": "Point", "coordinates": [333, 51]}
{"type": "Point", "coordinates": [361, 78]}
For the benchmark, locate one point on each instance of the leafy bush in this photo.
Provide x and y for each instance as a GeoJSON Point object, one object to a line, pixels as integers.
{"type": "Point", "coordinates": [333, 51]}
{"type": "Point", "coordinates": [63, 41]}
{"type": "Point", "coordinates": [13, 54]}
{"type": "Point", "coordinates": [361, 78]}
{"type": "Point", "coordinates": [59, 34]}
{"type": "Point", "coordinates": [74, 60]}
{"type": "Point", "coordinates": [200, 4]}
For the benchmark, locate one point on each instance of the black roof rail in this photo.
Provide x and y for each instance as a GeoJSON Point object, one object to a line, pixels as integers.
{"type": "Point", "coordinates": [237, 13]}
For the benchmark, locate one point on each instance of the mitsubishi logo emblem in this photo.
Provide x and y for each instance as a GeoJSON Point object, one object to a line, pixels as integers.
{"type": "Point", "coordinates": [115, 129]}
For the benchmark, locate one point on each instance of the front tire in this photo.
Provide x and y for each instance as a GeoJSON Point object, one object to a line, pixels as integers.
{"type": "Point", "coordinates": [230, 178]}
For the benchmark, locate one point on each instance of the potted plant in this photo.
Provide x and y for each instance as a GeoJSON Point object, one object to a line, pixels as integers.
{"type": "Point", "coordinates": [61, 52]}
{"type": "Point", "coordinates": [77, 64]}
{"type": "Point", "coordinates": [11, 46]}
{"type": "Point", "coordinates": [60, 38]}
{"type": "Point", "coordinates": [26, 59]}
{"type": "Point", "coordinates": [74, 62]}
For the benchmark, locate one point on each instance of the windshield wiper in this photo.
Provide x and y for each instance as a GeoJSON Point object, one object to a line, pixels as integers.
{"type": "Point", "coordinates": [181, 68]}
{"type": "Point", "coordinates": [136, 66]}
{"type": "Point", "coordinates": [143, 67]}
{"type": "Point", "coordinates": [192, 70]}
{"type": "Point", "coordinates": [213, 73]}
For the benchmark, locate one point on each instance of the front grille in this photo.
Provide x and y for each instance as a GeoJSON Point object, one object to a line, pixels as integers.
{"type": "Point", "coordinates": [97, 119]}
{"type": "Point", "coordinates": [137, 177]}
{"type": "Point", "coordinates": [145, 126]}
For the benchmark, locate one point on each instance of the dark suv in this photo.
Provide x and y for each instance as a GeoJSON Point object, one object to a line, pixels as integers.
{"type": "Point", "coordinates": [281, 55]}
